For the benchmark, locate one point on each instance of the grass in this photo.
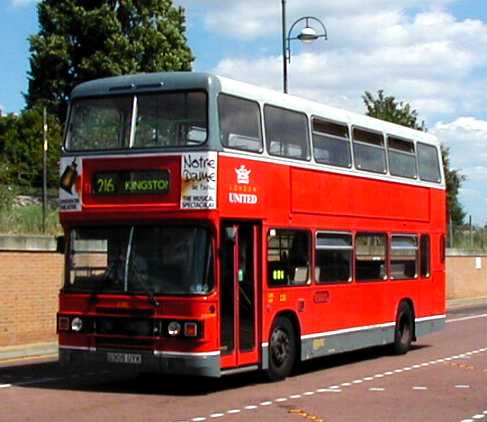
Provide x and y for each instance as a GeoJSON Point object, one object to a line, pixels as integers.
{"type": "Point", "coordinates": [28, 220]}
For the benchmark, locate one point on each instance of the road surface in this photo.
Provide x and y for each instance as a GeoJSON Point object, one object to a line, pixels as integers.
{"type": "Point", "coordinates": [443, 378]}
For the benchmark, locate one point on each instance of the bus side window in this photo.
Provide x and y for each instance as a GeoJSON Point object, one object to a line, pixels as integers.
{"type": "Point", "coordinates": [428, 163]}
{"type": "Point", "coordinates": [425, 250]}
{"type": "Point", "coordinates": [333, 257]}
{"type": "Point", "coordinates": [286, 133]}
{"type": "Point", "coordinates": [240, 123]}
{"type": "Point", "coordinates": [287, 257]}
{"type": "Point", "coordinates": [404, 257]}
{"type": "Point", "coordinates": [370, 256]}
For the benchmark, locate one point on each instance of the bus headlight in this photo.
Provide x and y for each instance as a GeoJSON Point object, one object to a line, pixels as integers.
{"type": "Point", "coordinates": [76, 324]}
{"type": "Point", "coordinates": [174, 328]}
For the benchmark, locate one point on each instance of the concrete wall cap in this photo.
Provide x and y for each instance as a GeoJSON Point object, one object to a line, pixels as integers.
{"type": "Point", "coordinates": [465, 252]}
{"type": "Point", "coordinates": [27, 243]}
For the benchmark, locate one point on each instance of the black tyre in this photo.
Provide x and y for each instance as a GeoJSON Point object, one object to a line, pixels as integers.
{"type": "Point", "coordinates": [404, 331]}
{"type": "Point", "coordinates": [282, 349]}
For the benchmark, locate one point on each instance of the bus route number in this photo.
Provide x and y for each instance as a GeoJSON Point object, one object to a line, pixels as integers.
{"type": "Point", "coordinates": [105, 185]}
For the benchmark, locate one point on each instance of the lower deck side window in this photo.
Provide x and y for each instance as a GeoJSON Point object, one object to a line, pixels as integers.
{"type": "Point", "coordinates": [370, 256]}
{"type": "Point", "coordinates": [287, 257]}
{"type": "Point", "coordinates": [333, 259]}
{"type": "Point", "coordinates": [404, 257]}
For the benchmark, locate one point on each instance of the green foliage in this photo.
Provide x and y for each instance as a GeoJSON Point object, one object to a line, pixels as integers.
{"type": "Point", "coordinates": [28, 220]}
{"type": "Point", "coordinates": [453, 183]}
{"type": "Point", "coordinates": [387, 108]}
{"type": "Point", "coordinates": [81, 40]}
{"type": "Point", "coordinates": [21, 148]}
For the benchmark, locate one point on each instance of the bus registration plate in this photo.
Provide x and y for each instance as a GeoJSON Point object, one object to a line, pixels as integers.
{"type": "Point", "coordinates": [130, 358]}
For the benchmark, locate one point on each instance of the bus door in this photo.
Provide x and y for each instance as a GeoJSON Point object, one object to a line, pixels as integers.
{"type": "Point", "coordinates": [239, 270]}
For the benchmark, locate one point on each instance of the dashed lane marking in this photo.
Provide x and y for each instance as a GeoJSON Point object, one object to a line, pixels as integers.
{"type": "Point", "coordinates": [477, 417]}
{"type": "Point", "coordinates": [338, 388]}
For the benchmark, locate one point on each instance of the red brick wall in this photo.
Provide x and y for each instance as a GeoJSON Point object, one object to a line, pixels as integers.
{"type": "Point", "coordinates": [29, 285]}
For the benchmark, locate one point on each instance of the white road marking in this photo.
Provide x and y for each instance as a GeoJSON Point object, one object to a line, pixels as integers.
{"type": "Point", "coordinates": [217, 415]}
{"type": "Point", "coordinates": [466, 318]}
{"type": "Point", "coordinates": [336, 388]}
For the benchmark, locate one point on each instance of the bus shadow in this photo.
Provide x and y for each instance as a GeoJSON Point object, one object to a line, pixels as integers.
{"type": "Point", "coordinates": [52, 376]}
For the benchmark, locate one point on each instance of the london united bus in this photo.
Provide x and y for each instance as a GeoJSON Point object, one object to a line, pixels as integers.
{"type": "Point", "coordinates": [213, 227]}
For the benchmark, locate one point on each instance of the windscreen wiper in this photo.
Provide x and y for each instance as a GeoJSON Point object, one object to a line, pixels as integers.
{"type": "Point", "coordinates": [147, 290]}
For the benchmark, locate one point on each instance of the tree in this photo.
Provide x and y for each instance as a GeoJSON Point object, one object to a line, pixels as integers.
{"type": "Point", "coordinates": [387, 108]}
{"type": "Point", "coordinates": [81, 40]}
{"type": "Point", "coordinates": [21, 148]}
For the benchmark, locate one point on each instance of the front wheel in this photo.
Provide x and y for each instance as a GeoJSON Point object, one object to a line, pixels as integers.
{"type": "Point", "coordinates": [282, 349]}
{"type": "Point", "coordinates": [404, 331]}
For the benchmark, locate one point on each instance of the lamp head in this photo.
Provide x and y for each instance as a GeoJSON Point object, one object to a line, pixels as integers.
{"type": "Point", "coordinates": [307, 34]}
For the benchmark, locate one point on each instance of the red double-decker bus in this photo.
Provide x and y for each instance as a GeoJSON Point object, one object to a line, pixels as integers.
{"type": "Point", "coordinates": [213, 227]}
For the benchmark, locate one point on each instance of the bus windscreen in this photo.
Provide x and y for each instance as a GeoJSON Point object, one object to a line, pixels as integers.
{"type": "Point", "coordinates": [140, 259]}
{"type": "Point", "coordinates": [167, 119]}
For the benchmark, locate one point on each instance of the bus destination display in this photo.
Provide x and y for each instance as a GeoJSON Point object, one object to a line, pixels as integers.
{"type": "Point", "coordinates": [128, 182]}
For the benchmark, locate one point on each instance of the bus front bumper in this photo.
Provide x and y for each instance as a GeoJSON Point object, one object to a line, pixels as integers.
{"type": "Point", "coordinates": [200, 364]}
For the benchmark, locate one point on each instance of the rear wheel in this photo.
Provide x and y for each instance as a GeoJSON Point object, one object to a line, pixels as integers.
{"type": "Point", "coordinates": [282, 349]}
{"type": "Point", "coordinates": [404, 331]}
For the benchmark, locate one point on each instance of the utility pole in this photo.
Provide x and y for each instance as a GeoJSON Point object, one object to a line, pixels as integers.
{"type": "Point", "coordinates": [44, 171]}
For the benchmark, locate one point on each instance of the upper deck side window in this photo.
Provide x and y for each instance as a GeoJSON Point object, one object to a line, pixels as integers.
{"type": "Point", "coordinates": [369, 150]}
{"type": "Point", "coordinates": [240, 123]}
{"type": "Point", "coordinates": [148, 120]}
{"type": "Point", "coordinates": [428, 163]}
{"type": "Point", "coordinates": [402, 157]}
{"type": "Point", "coordinates": [286, 133]}
{"type": "Point", "coordinates": [331, 143]}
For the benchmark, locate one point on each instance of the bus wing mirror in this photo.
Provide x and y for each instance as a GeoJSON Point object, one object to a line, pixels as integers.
{"type": "Point", "coordinates": [60, 244]}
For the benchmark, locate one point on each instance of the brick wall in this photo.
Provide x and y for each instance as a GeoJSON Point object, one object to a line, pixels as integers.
{"type": "Point", "coordinates": [466, 274]}
{"type": "Point", "coordinates": [30, 278]}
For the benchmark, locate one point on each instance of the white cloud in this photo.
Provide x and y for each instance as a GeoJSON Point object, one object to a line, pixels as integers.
{"type": "Point", "coordinates": [427, 60]}
{"type": "Point", "coordinates": [467, 139]}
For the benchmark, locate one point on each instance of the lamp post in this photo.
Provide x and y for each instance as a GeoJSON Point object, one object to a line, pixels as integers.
{"type": "Point", "coordinates": [308, 34]}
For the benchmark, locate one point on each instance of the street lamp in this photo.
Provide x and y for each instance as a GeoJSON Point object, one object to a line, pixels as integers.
{"type": "Point", "coordinates": [307, 35]}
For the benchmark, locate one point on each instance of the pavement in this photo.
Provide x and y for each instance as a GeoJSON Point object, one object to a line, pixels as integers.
{"type": "Point", "coordinates": [50, 350]}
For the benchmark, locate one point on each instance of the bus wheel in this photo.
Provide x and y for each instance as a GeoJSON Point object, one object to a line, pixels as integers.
{"type": "Point", "coordinates": [282, 349]}
{"type": "Point", "coordinates": [403, 335]}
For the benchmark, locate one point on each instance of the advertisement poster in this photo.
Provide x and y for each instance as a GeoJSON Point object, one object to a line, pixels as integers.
{"type": "Point", "coordinates": [70, 184]}
{"type": "Point", "coordinates": [198, 180]}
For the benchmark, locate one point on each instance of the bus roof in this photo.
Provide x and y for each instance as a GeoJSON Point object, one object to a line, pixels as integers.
{"type": "Point", "coordinates": [167, 81]}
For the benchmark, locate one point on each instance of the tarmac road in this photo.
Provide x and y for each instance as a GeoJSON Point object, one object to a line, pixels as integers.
{"type": "Point", "coordinates": [443, 378]}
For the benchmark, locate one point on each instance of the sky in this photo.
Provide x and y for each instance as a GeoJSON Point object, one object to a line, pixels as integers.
{"type": "Point", "coordinates": [431, 54]}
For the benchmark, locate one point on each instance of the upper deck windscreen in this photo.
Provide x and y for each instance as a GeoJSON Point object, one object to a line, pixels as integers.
{"type": "Point", "coordinates": [155, 120]}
